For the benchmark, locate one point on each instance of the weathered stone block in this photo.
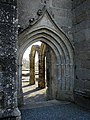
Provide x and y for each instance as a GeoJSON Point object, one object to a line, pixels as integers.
{"type": "Point", "coordinates": [8, 58]}
{"type": "Point", "coordinates": [62, 4]}
{"type": "Point", "coordinates": [1, 99]}
{"type": "Point", "coordinates": [13, 2]}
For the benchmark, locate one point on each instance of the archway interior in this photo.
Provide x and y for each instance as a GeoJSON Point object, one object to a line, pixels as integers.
{"type": "Point", "coordinates": [36, 65]}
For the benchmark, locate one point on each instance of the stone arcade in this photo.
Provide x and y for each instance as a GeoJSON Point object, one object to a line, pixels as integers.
{"type": "Point", "coordinates": [63, 26]}
{"type": "Point", "coordinates": [41, 56]}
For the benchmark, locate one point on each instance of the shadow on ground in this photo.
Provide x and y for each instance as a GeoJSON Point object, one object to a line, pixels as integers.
{"type": "Point", "coordinates": [56, 112]}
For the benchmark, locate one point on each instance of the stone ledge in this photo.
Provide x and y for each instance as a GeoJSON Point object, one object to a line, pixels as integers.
{"type": "Point", "coordinates": [85, 93]}
{"type": "Point", "coordinates": [82, 99]}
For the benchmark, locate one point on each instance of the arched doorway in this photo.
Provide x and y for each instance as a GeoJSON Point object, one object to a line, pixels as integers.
{"type": "Point", "coordinates": [47, 31]}
{"type": "Point", "coordinates": [33, 74]}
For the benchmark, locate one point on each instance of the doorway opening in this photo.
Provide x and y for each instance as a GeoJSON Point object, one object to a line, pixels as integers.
{"type": "Point", "coordinates": [36, 65]}
{"type": "Point", "coordinates": [59, 58]}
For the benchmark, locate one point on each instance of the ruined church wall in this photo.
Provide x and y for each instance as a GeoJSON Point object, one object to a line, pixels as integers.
{"type": "Point", "coordinates": [8, 60]}
{"type": "Point", "coordinates": [81, 29]}
{"type": "Point", "coordinates": [73, 16]}
{"type": "Point", "coordinates": [51, 71]}
{"type": "Point", "coordinates": [60, 10]}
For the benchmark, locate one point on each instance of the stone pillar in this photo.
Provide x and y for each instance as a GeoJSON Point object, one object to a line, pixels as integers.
{"type": "Point", "coordinates": [32, 69]}
{"type": "Point", "coordinates": [8, 60]}
{"type": "Point", "coordinates": [32, 63]}
{"type": "Point", "coordinates": [41, 82]}
{"type": "Point", "coordinates": [19, 86]}
{"type": "Point", "coordinates": [48, 73]}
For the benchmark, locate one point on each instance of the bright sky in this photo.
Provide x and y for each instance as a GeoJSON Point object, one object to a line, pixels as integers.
{"type": "Point", "coordinates": [27, 52]}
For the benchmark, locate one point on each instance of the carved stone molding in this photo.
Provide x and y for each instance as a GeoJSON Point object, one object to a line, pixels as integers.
{"type": "Point", "coordinates": [40, 13]}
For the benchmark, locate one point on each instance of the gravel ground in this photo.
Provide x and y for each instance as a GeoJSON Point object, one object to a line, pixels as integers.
{"type": "Point", "coordinates": [56, 112]}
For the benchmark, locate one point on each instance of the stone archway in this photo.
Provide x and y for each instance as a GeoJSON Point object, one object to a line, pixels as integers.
{"type": "Point", "coordinates": [34, 48]}
{"type": "Point", "coordinates": [47, 31]}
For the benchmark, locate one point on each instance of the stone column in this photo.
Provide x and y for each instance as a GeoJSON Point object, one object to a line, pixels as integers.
{"type": "Point", "coordinates": [34, 48]}
{"type": "Point", "coordinates": [41, 82]}
{"type": "Point", "coordinates": [32, 69]}
{"type": "Point", "coordinates": [8, 60]}
{"type": "Point", "coordinates": [19, 86]}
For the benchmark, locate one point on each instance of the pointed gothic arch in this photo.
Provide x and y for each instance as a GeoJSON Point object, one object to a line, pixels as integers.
{"type": "Point", "coordinates": [34, 48]}
{"type": "Point", "coordinates": [46, 30]}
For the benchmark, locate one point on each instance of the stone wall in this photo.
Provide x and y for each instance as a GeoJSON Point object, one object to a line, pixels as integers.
{"type": "Point", "coordinates": [8, 60]}
{"type": "Point", "coordinates": [59, 9]}
{"type": "Point", "coordinates": [81, 29]}
{"type": "Point", "coordinates": [51, 76]}
{"type": "Point", "coordinates": [73, 17]}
